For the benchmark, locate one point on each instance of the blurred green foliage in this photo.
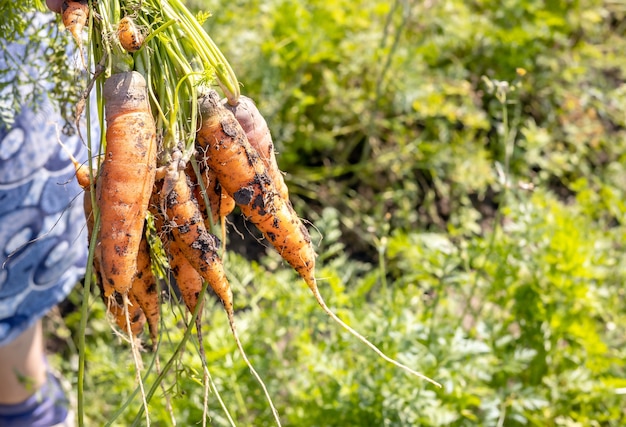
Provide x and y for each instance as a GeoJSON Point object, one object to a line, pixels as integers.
{"type": "Point", "coordinates": [34, 62]}
{"type": "Point", "coordinates": [464, 165]}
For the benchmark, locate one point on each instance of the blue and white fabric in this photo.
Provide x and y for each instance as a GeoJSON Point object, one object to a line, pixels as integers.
{"type": "Point", "coordinates": [43, 243]}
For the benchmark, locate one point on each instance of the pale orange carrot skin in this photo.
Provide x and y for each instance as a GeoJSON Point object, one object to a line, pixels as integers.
{"type": "Point", "coordinates": [143, 284]}
{"type": "Point", "coordinates": [126, 177]}
{"type": "Point", "coordinates": [74, 15]}
{"type": "Point", "coordinates": [259, 136]}
{"type": "Point", "coordinates": [188, 231]}
{"type": "Point", "coordinates": [244, 176]}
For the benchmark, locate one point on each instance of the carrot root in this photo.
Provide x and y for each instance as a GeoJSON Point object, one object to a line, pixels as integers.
{"type": "Point", "coordinates": [231, 321]}
{"type": "Point", "coordinates": [137, 359]}
{"type": "Point", "coordinates": [322, 303]}
{"type": "Point", "coordinates": [244, 176]}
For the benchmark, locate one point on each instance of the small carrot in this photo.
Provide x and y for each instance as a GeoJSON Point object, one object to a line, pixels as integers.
{"type": "Point", "coordinates": [74, 14]}
{"type": "Point", "coordinates": [259, 136]}
{"type": "Point", "coordinates": [187, 278]}
{"type": "Point", "coordinates": [126, 177]}
{"type": "Point", "coordinates": [129, 35]}
{"type": "Point", "coordinates": [189, 233]}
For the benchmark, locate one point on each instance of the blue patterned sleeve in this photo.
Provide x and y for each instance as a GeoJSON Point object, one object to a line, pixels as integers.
{"type": "Point", "coordinates": [43, 243]}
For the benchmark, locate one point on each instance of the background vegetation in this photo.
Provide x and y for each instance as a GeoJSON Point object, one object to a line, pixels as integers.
{"type": "Point", "coordinates": [464, 165]}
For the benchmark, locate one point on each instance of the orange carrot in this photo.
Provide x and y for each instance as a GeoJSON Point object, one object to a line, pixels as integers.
{"type": "Point", "coordinates": [126, 177]}
{"type": "Point", "coordinates": [129, 35]}
{"type": "Point", "coordinates": [188, 232]}
{"type": "Point", "coordinates": [145, 290]}
{"type": "Point", "coordinates": [188, 280]}
{"type": "Point", "coordinates": [244, 176]}
{"type": "Point", "coordinates": [199, 247]}
{"type": "Point", "coordinates": [74, 15]}
{"type": "Point", "coordinates": [259, 136]}
{"type": "Point", "coordinates": [143, 293]}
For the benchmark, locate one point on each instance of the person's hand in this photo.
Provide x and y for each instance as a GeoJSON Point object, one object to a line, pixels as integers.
{"type": "Point", "coordinates": [54, 5]}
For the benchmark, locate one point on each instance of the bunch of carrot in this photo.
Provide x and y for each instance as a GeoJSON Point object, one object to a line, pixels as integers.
{"type": "Point", "coordinates": [177, 153]}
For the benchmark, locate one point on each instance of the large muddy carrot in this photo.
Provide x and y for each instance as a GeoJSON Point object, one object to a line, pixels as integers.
{"type": "Point", "coordinates": [126, 177]}
{"type": "Point", "coordinates": [125, 309]}
{"type": "Point", "coordinates": [143, 291]}
{"type": "Point", "coordinates": [244, 176]}
{"type": "Point", "coordinates": [259, 136]}
{"type": "Point", "coordinates": [188, 231]}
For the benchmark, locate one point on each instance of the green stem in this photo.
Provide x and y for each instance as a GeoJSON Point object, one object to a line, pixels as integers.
{"type": "Point", "coordinates": [190, 144]}
{"type": "Point", "coordinates": [158, 31]}
{"type": "Point", "coordinates": [119, 60]}
{"type": "Point", "coordinates": [149, 67]}
{"type": "Point", "coordinates": [84, 315]}
{"type": "Point", "coordinates": [92, 244]}
{"type": "Point", "coordinates": [171, 360]}
{"type": "Point", "coordinates": [206, 48]}
{"type": "Point", "coordinates": [203, 192]}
